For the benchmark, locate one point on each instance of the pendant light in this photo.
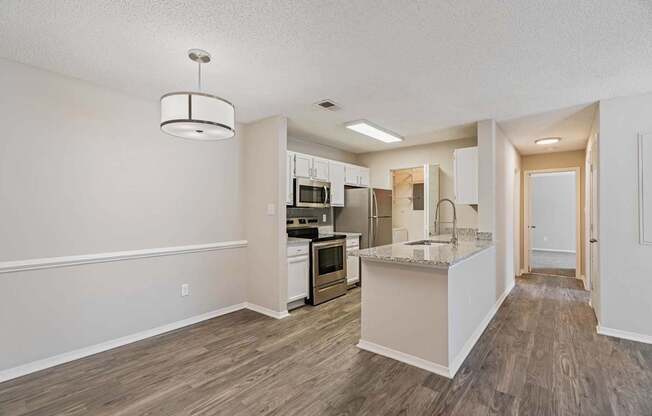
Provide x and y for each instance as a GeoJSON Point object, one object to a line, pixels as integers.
{"type": "Point", "coordinates": [197, 115]}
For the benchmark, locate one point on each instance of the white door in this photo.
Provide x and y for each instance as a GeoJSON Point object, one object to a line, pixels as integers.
{"type": "Point", "coordinates": [302, 166]}
{"type": "Point", "coordinates": [593, 280]}
{"type": "Point", "coordinates": [364, 177]}
{"type": "Point", "coordinates": [351, 175]}
{"type": "Point", "coordinates": [530, 226]}
{"type": "Point", "coordinates": [298, 275]}
{"type": "Point", "coordinates": [320, 169]}
{"type": "Point", "coordinates": [337, 172]}
{"type": "Point", "coordinates": [289, 181]}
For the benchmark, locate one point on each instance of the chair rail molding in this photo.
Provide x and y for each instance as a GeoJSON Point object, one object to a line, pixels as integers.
{"type": "Point", "coordinates": [67, 261]}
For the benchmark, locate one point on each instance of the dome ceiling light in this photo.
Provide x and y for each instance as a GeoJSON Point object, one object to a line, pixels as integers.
{"type": "Point", "coordinates": [197, 115]}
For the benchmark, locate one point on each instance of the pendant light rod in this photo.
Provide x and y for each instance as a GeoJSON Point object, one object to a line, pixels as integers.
{"type": "Point", "coordinates": [201, 57]}
{"type": "Point", "coordinates": [198, 76]}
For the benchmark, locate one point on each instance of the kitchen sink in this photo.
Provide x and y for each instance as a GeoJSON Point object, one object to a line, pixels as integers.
{"type": "Point", "coordinates": [427, 242]}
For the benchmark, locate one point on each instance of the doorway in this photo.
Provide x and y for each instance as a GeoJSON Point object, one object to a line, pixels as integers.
{"type": "Point", "coordinates": [408, 204]}
{"type": "Point", "coordinates": [415, 192]}
{"type": "Point", "coordinates": [552, 221]}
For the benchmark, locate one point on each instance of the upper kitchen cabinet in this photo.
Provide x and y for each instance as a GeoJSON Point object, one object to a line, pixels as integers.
{"type": "Point", "coordinates": [465, 166]}
{"type": "Point", "coordinates": [337, 174]}
{"type": "Point", "coordinates": [302, 165]}
{"type": "Point", "coordinates": [356, 176]}
{"type": "Point", "coordinates": [306, 166]}
{"type": "Point", "coordinates": [364, 176]}
{"type": "Point", "coordinates": [320, 169]}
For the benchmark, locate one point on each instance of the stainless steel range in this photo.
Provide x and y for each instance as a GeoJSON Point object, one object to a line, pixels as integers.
{"type": "Point", "coordinates": [327, 259]}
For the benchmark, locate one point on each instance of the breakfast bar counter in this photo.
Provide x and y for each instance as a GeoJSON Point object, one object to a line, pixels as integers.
{"type": "Point", "coordinates": [426, 304]}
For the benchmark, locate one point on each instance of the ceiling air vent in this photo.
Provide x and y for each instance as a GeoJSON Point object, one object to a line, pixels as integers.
{"type": "Point", "coordinates": [327, 105]}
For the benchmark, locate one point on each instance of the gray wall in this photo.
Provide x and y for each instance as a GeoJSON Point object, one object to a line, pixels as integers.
{"type": "Point", "coordinates": [86, 170]}
{"type": "Point", "coordinates": [314, 149]}
{"type": "Point", "coordinates": [625, 264]}
{"type": "Point", "coordinates": [265, 150]}
{"type": "Point", "coordinates": [440, 153]}
{"type": "Point", "coordinates": [554, 211]}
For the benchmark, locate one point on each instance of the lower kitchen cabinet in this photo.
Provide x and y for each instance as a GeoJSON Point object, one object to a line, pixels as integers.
{"type": "Point", "coordinates": [352, 262]}
{"type": "Point", "coordinates": [298, 272]}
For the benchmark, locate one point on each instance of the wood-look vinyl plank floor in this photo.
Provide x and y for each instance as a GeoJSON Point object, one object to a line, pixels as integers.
{"type": "Point", "coordinates": [540, 355]}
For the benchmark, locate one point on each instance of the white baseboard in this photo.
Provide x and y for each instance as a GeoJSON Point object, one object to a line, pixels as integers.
{"type": "Point", "coordinates": [470, 343]}
{"type": "Point", "coordinates": [405, 358]}
{"type": "Point", "coordinates": [554, 250]}
{"type": "Point", "coordinates": [42, 364]}
{"type": "Point", "coordinates": [617, 333]}
{"type": "Point", "coordinates": [266, 311]}
{"type": "Point", "coordinates": [39, 365]}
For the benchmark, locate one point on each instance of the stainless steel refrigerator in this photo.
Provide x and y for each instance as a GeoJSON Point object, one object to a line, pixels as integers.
{"type": "Point", "coordinates": [367, 211]}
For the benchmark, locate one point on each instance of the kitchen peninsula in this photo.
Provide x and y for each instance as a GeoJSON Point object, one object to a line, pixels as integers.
{"type": "Point", "coordinates": [426, 303]}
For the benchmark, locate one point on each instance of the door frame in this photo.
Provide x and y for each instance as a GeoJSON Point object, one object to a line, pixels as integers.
{"type": "Point", "coordinates": [392, 184]}
{"type": "Point", "coordinates": [526, 216]}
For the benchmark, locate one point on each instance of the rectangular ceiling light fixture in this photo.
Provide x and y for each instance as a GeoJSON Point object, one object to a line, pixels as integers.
{"type": "Point", "coordinates": [368, 129]}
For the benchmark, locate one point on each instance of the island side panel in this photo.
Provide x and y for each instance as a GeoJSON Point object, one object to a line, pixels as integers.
{"type": "Point", "coordinates": [404, 309]}
{"type": "Point", "coordinates": [472, 302]}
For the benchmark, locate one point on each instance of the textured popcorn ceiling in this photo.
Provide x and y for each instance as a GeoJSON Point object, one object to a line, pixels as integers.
{"type": "Point", "coordinates": [413, 67]}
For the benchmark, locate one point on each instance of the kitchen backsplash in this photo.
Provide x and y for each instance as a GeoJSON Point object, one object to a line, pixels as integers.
{"type": "Point", "coordinates": [312, 212]}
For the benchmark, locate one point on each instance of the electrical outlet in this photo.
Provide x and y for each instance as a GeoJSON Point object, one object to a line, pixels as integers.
{"type": "Point", "coordinates": [323, 218]}
{"type": "Point", "coordinates": [185, 289]}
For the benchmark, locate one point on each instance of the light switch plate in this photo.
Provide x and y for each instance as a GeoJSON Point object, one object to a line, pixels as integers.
{"type": "Point", "coordinates": [323, 218]}
{"type": "Point", "coordinates": [185, 289]}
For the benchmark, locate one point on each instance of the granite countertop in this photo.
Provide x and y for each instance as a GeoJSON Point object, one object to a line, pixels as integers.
{"type": "Point", "coordinates": [294, 241]}
{"type": "Point", "coordinates": [436, 255]}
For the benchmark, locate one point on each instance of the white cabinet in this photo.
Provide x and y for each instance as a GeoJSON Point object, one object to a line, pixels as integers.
{"type": "Point", "coordinates": [320, 169]}
{"type": "Point", "coordinates": [352, 262]}
{"type": "Point", "coordinates": [465, 168]}
{"type": "Point", "coordinates": [337, 173]}
{"type": "Point", "coordinates": [356, 176]}
{"type": "Point", "coordinates": [298, 272]}
{"type": "Point", "coordinates": [302, 166]}
{"type": "Point", "coordinates": [289, 182]}
{"type": "Point", "coordinates": [364, 176]}
{"type": "Point", "coordinates": [306, 166]}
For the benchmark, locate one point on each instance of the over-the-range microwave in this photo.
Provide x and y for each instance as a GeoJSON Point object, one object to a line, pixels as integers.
{"type": "Point", "coordinates": [309, 193]}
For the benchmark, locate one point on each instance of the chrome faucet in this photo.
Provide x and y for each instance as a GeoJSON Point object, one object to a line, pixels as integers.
{"type": "Point", "coordinates": [454, 235]}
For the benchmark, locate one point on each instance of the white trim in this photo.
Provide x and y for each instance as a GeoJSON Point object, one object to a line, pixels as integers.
{"type": "Point", "coordinates": [456, 363]}
{"type": "Point", "coordinates": [405, 358]}
{"type": "Point", "coordinates": [66, 261]}
{"type": "Point", "coordinates": [632, 336]}
{"type": "Point", "coordinates": [297, 297]}
{"type": "Point", "coordinates": [266, 311]}
{"type": "Point", "coordinates": [554, 250]}
{"type": "Point", "coordinates": [641, 192]}
{"type": "Point", "coordinates": [65, 357]}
